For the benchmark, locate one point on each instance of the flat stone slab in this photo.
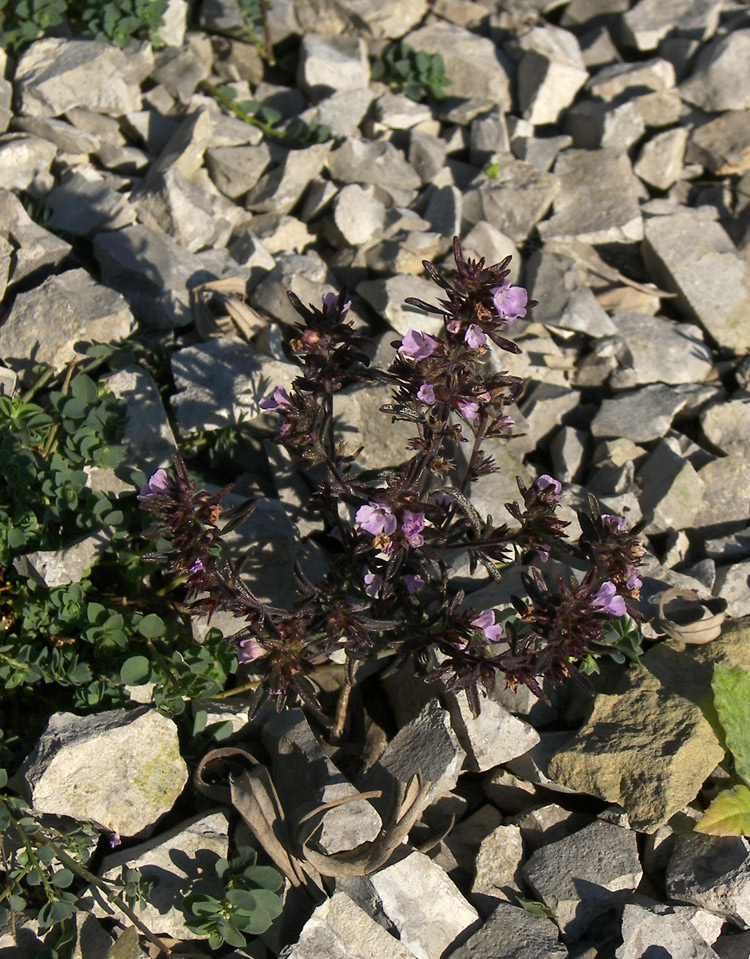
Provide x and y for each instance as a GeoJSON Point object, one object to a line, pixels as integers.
{"type": "Point", "coordinates": [659, 351]}
{"type": "Point", "coordinates": [639, 415]}
{"type": "Point", "coordinates": [695, 258]}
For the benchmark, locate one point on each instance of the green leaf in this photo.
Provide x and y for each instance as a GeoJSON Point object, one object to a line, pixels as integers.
{"type": "Point", "coordinates": [199, 721]}
{"type": "Point", "coordinates": [728, 814]}
{"type": "Point", "coordinates": [62, 878]}
{"type": "Point", "coordinates": [84, 388]}
{"type": "Point", "coordinates": [151, 626]}
{"type": "Point", "coordinates": [135, 671]}
{"type": "Point", "coordinates": [732, 700]}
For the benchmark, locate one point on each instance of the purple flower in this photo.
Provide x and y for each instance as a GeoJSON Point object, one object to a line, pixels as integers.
{"type": "Point", "coordinates": [157, 484]}
{"type": "Point", "coordinates": [549, 483]}
{"type": "Point", "coordinates": [474, 337]}
{"type": "Point", "coordinates": [486, 622]}
{"type": "Point", "coordinates": [330, 301]}
{"type": "Point", "coordinates": [278, 399]}
{"type": "Point", "coordinates": [413, 582]}
{"type": "Point", "coordinates": [467, 409]}
{"type": "Point", "coordinates": [607, 600]}
{"type": "Point", "coordinates": [114, 840]}
{"type": "Point", "coordinates": [373, 582]}
{"type": "Point", "coordinates": [633, 581]}
{"type": "Point", "coordinates": [426, 393]}
{"type": "Point", "coordinates": [412, 525]}
{"type": "Point", "coordinates": [250, 650]}
{"type": "Point", "coordinates": [510, 302]}
{"type": "Point", "coordinates": [198, 567]}
{"type": "Point", "coordinates": [418, 345]}
{"type": "Point", "coordinates": [543, 551]}
{"type": "Point", "coordinates": [612, 523]}
{"type": "Point", "coordinates": [376, 518]}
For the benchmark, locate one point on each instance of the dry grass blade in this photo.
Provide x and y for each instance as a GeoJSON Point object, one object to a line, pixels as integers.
{"type": "Point", "coordinates": [239, 319]}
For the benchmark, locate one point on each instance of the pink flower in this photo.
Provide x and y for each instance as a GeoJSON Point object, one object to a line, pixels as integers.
{"type": "Point", "coordinates": [474, 336]}
{"type": "Point", "coordinates": [418, 345]}
{"type": "Point", "coordinates": [250, 650]}
{"type": "Point", "coordinates": [426, 393]}
{"type": "Point", "coordinates": [330, 300]}
{"type": "Point", "coordinates": [413, 582]}
{"type": "Point", "coordinates": [412, 525]}
{"type": "Point", "coordinates": [607, 600]}
{"type": "Point", "coordinates": [543, 551]}
{"type": "Point", "coordinates": [376, 518]}
{"type": "Point", "coordinates": [277, 400]}
{"type": "Point", "coordinates": [633, 581]}
{"type": "Point", "coordinates": [157, 484]}
{"type": "Point", "coordinates": [486, 622]}
{"type": "Point", "coordinates": [373, 582]}
{"type": "Point", "coordinates": [510, 302]}
{"type": "Point", "coordinates": [467, 409]}
{"type": "Point", "coordinates": [548, 483]}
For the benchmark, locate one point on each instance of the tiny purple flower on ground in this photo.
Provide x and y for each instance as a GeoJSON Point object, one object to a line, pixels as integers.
{"type": "Point", "coordinates": [157, 484]}
{"type": "Point", "coordinates": [418, 345]}
{"type": "Point", "coordinates": [486, 622]}
{"type": "Point", "coordinates": [612, 523]}
{"type": "Point", "coordinates": [474, 337]}
{"type": "Point", "coordinates": [412, 525]}
{"type": "Point", "coordinates": [510, 302]}
{"type": "Point", "coordinates": [373, 582]}
{"type": "Point", "coordinates": [277, 400]}
{"type": "Point", "coordinates": [413, 582]}
{"type": "Point", "coordinates": [249, 650]}
{"type": "Point", "coordinates": [468, 409]}
{"type": "Point", "coordinates": [377, 519]}
{"type": "Point", "coordinates": [607, 600]}
{"type": "Point", "coordinates": [198, 567]}
{"type": "Point", "coordinates": [330, 302]}
{"type": "Point", "coordinates": [426, 393]}
{"type": "Point", "coordinates": [548, 483]}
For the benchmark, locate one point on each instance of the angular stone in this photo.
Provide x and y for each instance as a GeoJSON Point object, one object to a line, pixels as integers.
{"type": "Point", "coordinates": [673, 491]}
{"type": "Point", "coordinates": [236, 169]}
{"type": "Point", "coordinates": [330, 64]}
{"type": "Point", "coordinates": [640, 415]}
{"type": "Point", "coordinates": [533, 766]}
{"type": "Point", "coordinates": [120, 770]}
{"type": "Point", "coordinates": [512, 933]}
{"type": "Point", "coordinates": [511, 794]}
{"type": "Point", "coordinates": [473, 63]}
{"type": "Point", "coordinates": [645, 930]}
{"type": "Point", "coordinates": [358, 214]}
{"type": "Point", "coordinates": [694, 258]}
{"type": "Point", "coordinates": [485, 240]}
{"type": "Point", "coordinates": [618, 754]}
{"type": "Point", "coordinates": [723, 144]}
{"type": "Point", "coordinates": [279, 190]}
{"type": "Point", "coordinates": [360, 421]}
{"type": "Point", "coordinates": [649, 21]}
{"type": "Point", "coordinates": [179, 859]}
{"type": "Point", "coordinates": [306, 275]}
{"type": "Point", "coordinates": [593, 124]}
{"type": "Point", "coordinates": [62, 134]}
{"type": "Point", "coordinates": [712, 872]}
{"type": "Point", "coordinates": [60, 567]}
{"type": "Point", "coordinates": [420, 900]}
{"type": "Point", "coordinates": [377, 162]}
{"type": "Point", "coordinates": [25, 163]}
{"type": "Point", "coordinates": [544, 407]}
{"type": "Point", "coordinates": [82, 310]}
{"type": "Point", "coordinates": [180, 71]}
{"type": "Point", "coordinates": [514, 201]}
{"type": "Point", "coordinates": [298, 757]}
{"type": "Point", "coordinates": [732, 585]}
{"type": "Point", "coordinates": [83, 203]}
{"type": "Point", "coordinates": [340, 928]}
{"type": "Point", "coordinates": [34, 247]}
{"type": "Point", "coordinates": [221, 381]}
{"type": "Point", "coordinates": [583, 314]}
{"type": "Point", "coordinates": [498, 869]}
{"type": "Point", "coordinates": [726, 424]}
{"type": "Point", "coordinates": [586, 207]}
{"type": "Point", "coordinates": [54, 75]}
{"type": "Point", "coordinates": [550, 73]}
{"type": "Point", "coordinates": [659, 351]}
{"type": "Point", "coordinates": [585, 875]}
{"type": "Point", "coordinates": [488, 139]}
{"type": "Point", "coordinates": [660, 162]}
{"type": "Point", "coordinates": [493, 737]}
{"type": "Point", "coordinates": [616, 79]}
{"type": "Point", "coordinates": [540, 152]}
{"type": "Point", "coordinates": [720, 79]}
{"type": "Point", "coordinates": [151, 271]}
{"type": "Point", "coordinates": [387, 297]}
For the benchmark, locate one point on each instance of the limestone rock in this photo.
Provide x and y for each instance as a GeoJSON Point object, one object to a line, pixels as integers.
{"type": "Point", "coordinates": [279, 189]}
{"type": "Point", "coordinates": [660, 162]}
{"type": "Point", "coordinates": [25, 162]}
{"type": "Point", "coordinates": [387, 297]}
{"type": "Point", "coordinates": [726, 424]}
{"type": "Point", "coordinates": [550, 73]}
{"type": "Point", "coordinates": [60, 567]}
{"type": "Point", "coordinates": [659, 351]}
{"type": "Point", "coordinates": [720, 79]}
{"type": "Point", "coordinates": [649, 21]}
{"type": "Point", "coordinates": [493, 737]}
{"type": "Point", "coordinates": [723, 144]}
{"type": "Point", "coordinates": [514, 201]}
{"type": "Point", "coordinates": [83, 204]}
{"type": "Point", "coordinates": [236, 169]}
{"type": "Point", "coordinates": [33, 247]}
{"type": "Point", "coordinates": [512, 933]}
{"type": "Point", "coordinates": [645, 929]}
{"type": "Point", "coordinates": [639, 415]}
{"type": "Point", "coordinates": [332, 65]}
{"type": "Point", "coordinates": [672, 491]}
{"type": "Point", "coordinates": [712, 872]}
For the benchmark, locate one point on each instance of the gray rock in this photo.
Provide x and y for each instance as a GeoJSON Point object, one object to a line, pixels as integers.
{"type": "Point", "coordinates": [732, 585]}
{"type": "Point", "coordinates": [473, 63]}
{"type": "Point", "coordinates": [583, 314]}
{"type": "Point", "coordinates": [443, 210]}
{"type": "Point", "coordinates": [25, 162]}
{"type": "Point", "coordinates": [694, 258]}
{"type": "Point", "coordinates": [546, 824]}
{"type": "Point", "coordinates": [726, 424]}
{"type": "Point", "coordinates": [358, 214]}
{"type": "Point", "coordinates": [723, 144]}
{"type": "Point", "coordinates": [586, 207]}
{"type": "Point", "coordinates": [339, 928]}
{"type": "Point", "coordinates": [593, 124]}
{"type": "Point", "coordinates": [514, 201]}
{"type": "Point", "coordinates": [172, 33]}
{"type": "Point", "coordinates": [390, 18]}
{"type": "Point", "coordinates": [306, 275]}
{"type": "Point", "coordinates": [544, 406]}
{"type": "Point", "coordinates": [279, 190]}
{"type": "Point", "coordinates": [62, 134]}
{"type": "Point", "coordinates": [659, 351]}
{"type": "Point", "coordinates": [540, 152]}
{"type": "Point", "coordinates": [82, 308]}
{"type": "Point", "coordinates": [660, 108]}
{"type": "Point", "coordinates": [329, 64]}
{"type": "Point", "coordinates": [387, 297]}
{"type": "Point", "coordinates": [377, 162]}
{"type": "Point", "coordinates": [712, 872]}
{"type": "Point", "coordinates": [34, 247]}
{"type": "Point", "coordinates": [585, 875]}
{"type": "Point", "coordinates": [733, 946]}
{"type": "Point", "coordinates": [180, 71]}
{"type": "Point", "coordinates": [497, 875]}
{"type": "Point", "coordinates": [639, 415]}
{"type": "Point", "coordinates": [120, 770]}
{"type": "Point", "coordinates": [672, 491]}
{"type": "Point", "coordinates": [82, 203]}
{"type": "Point", "coordinates": [360, 421]}
{"type": "Point", "coordinates": [8, 381]}
{"type": "Point", "coordinates": [221, 381]}
{"type": "Point", "coordinates": [568, 451]}
{"type": "Point", "coordinates": [512, 933]}
{"type": "Point", "coordinates": [550, 73]}
{"type": "Point", "coordinates": [533, 766]}
{"type": "Point", "coordinates": [616, 79]}
{"type": "Point", "coordinates": [428, 911]}
{"type": "Point", "coordinates": [54, 75]}
{"type": "Point", "coordinates": [511, 794]}
{"type": "Point", "coordinates": [185, 148]}
{"type": "Point", "coordinates": [720, 79]}
{"type": "Point", "coordinates": [182, 860]}
{"type": "Point", "coordinates": [649, 21]}
{"type": "Point", "coordinates": [493, 737]}
{"type": "Point", "coordinates": [645, 930]}
{"type": "Point", "coordinates": [298, 757]}
{"type": "Point", "coordinates": [488, 138]}
{"type": "Point", "coordinates": [60, 567]}
{"type": "Point", "coordinates": [151, 271]}
{"type": "Point", "coordinates": [342, 112]}
{"type": "Point", "coordinates": [660, 162]}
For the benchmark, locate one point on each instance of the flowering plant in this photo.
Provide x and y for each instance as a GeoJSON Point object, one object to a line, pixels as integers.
{"type": "Point", "coordinates": [388, 587]}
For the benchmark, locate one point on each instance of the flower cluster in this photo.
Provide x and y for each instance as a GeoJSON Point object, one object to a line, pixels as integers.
{"type": "Point", "coordinates": [392, 533]}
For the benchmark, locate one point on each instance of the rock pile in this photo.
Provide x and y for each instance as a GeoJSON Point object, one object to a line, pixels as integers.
{"type": "Point", "coordinates": [607, 147]}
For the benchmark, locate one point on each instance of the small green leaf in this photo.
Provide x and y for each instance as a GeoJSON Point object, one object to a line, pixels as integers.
{"type": "Point", "coordinates": [62, 878]}
{"type": "Point", "coordinates": [728, 814]}
{"type": "Point", "coordinates": [732, 700]}
{"type": "Point", "coordinates": [151, 626]}
{"type": "Point", "coordinates": [135, 671]}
